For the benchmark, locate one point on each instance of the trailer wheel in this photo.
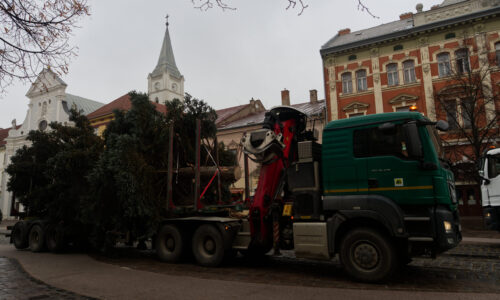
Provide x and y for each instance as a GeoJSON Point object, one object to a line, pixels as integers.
{"type": "Point", "coordinates": [169, 244]}
{"type": "Point", "coordinates": [367, 255]}
{"type": "Point", "coordinates": [37, 238]}
{"type": "Point", "coordinates": [19, 236]}
{"type": "Point", "coordinates": [208, 246]}
{"type": "Point", "coordinates": [54, 238]}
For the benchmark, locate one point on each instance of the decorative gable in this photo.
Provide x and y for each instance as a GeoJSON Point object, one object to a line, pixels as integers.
{"type": "Point", "coordinates": [403, 98]}
{"type": "Point", "coordinates": [46, 82]}
{"type": "Point", "coordinates": [356, 106]}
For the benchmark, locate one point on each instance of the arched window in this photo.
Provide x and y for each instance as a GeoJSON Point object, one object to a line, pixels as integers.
{"type": "Point", "coordinates": [497, 50]}
{"type": "Point", "coordinates": [462, 60]}
{"type": "Point", "coordinates": [409, 71]}
{"type": "Point", "coordinates": [347, 83]}
{"type": "Point", "coordinates": [361, 80]}
{"type": "Point", "coordinates": [392, 74]}
{"type": "Point", "coordinates": [443, 64]}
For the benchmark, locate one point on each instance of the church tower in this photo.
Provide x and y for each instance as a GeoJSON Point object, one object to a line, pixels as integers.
{"type": "Point", "coordinates": [166, 83]}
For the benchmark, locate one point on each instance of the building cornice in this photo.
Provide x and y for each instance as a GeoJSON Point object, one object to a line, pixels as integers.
{"type": "Point", "coordinates": [413, 31]}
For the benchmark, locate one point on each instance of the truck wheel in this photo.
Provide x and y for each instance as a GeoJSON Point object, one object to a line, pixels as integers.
{"type": "Point", "coordinates": [208, 246]}
{"type": "Point", "coordinates": [367, 255]}
{"type": "Point", "coordinates": [169, 244]}
{"type": "Point", "coordinates": [37, 238]}
{"type": "Point", "coordinates": [54, 238]}
{"type": "Point", "coordinates": [19, 236]}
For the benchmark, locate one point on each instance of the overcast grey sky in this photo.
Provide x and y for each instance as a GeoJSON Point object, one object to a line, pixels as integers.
{"type": "Point", "coordinates": [226, 57]}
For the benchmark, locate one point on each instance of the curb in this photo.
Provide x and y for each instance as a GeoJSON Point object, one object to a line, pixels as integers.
{"type": "Point", "coordinates": [67, 293]}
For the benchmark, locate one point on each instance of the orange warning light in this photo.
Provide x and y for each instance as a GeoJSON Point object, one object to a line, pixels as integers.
{"type": "Point", "coordinates": [413, 108]}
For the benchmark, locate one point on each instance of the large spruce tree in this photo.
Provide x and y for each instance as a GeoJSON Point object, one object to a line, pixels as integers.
{"type": "Point", "coordinates": [49, 177]}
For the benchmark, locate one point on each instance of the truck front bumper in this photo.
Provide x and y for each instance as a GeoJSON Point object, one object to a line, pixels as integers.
{"type": "Point", "coordinates": [448, 229]}
{"type": "Point", "coordinates": [491, 217]}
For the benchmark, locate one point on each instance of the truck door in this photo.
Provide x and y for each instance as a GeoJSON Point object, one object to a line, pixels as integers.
{"type": "Point", "coordinates": [389, 169]}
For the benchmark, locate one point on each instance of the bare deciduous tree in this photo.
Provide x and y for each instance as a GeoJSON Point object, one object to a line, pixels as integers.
{"type": "Point", "coordinates": [301, 5]}
{"type": "Point", "coordinates": [470, 103]}
{"type": "Point", "coordinates": [34, 35]}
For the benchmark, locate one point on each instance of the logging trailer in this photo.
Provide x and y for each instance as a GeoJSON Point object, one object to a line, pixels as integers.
{"type": "Point", "coordinates": [376, 192]}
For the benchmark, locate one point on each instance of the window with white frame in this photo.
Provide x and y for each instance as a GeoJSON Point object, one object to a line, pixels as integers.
{"type": "Point", "coordinates": [409, 71]}
{"type": "Point", "coordinates": [459, 112]}
{"type": "Point", "coordinates": [467, 107]}
{"type": "Point", "coordinates": [497, 52]}
{"type": "Point", "coordinates": [462, 60]}
{"type": "Point", "coordinates": [392, 74]}
{"type": "Point", "coordinates": [361, 80]}
{"type": "Point", "coordinates": [403, 108]}
{"type": "Point", "coordinates": [443, 64]}
{"type": "Point", "coordinates": [451, 114]}
{"type": "Point", "coordinates": [347, 83]}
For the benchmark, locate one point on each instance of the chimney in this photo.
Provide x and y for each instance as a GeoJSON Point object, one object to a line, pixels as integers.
{"type": "Point", "coordinates": [344, 31]}
{"type": "Point", "coordinates": [285, 97]}
{"type": "Point", "coordinates": [405, 16]}
{"type": "Point", "coordinates": [313, 96]}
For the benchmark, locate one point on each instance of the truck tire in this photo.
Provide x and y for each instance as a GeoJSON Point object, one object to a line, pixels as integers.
{"type": "Point", "coordinates": [208, 246]}
{"type": "Point", "coordinates": [37, 238]}
{"type": "Point", "coordinates": [54, 238]}
{"type": "Point", "coordinates": [169, 244]}
{"type": "Point", "coordinates": [20, 236]}
{"type": "Point", "coordinates": [367, 255]}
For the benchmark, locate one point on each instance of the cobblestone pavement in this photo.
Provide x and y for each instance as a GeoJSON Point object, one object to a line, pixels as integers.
{"type": "Point", "coordinates": [470, 268]}
{"type": "Point", "coordinates": [16, 284]}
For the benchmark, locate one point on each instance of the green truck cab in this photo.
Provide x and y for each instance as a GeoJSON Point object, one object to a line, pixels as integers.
{"type": "Point", "coordinates": [382, 193]}
{"type": "Point", "coordinates": [390, 167]}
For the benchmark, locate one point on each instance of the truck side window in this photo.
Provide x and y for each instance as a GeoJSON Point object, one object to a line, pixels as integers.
{"type": "Point", "coordinates": [374, 142]}
{"type": "Point", "coordinates": [493, 166]}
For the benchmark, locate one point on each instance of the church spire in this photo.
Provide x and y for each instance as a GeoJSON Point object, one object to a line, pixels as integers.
{"type": "Point", "coordinates": [166, 61]}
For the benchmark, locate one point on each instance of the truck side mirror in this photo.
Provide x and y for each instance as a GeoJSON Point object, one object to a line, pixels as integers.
{"type": "Point", "coordinates": [414, 145]}
{"type": "Point", "coordinates": [442, 125]}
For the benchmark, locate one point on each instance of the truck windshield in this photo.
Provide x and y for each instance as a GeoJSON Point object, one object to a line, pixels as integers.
{"type": "Point", "coordinates": [436, 141]}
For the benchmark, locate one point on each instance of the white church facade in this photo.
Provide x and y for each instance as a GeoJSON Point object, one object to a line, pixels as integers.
{"type": "Point", "coordinates": [49, 102]}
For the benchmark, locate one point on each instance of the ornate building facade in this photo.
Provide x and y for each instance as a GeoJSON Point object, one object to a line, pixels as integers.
{"type": "Point", "coordinates": [409, 62]}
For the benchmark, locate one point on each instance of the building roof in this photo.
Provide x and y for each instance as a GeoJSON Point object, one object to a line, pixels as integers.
{"type": "Point", "coordinates": [122, 103]}
{"type": "Point", "coordinates": [400, 29]}
{"type": "Point", "coordinates": [83, 104]}
{"type": "Point", "coordinates": [4, 133]}
{"type": "Point", "coordinates": [369, 33]}
{"type": "Point", "coordinates": [310, 109]}
{"type": "Point", "coordinates": [166, 61]}
{"type": "Point", "coordinates": [225, 113]}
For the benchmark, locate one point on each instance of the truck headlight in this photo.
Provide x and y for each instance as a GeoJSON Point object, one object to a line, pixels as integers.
{"type": "Point", "coordinates": [447, 227]}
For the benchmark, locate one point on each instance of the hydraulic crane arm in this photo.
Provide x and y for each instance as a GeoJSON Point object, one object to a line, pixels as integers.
{"type": "Point", "coordinates": [272, 146]}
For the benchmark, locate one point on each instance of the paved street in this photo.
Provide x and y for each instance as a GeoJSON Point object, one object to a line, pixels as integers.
{"type": "Point", "coordinates": [473, 270]}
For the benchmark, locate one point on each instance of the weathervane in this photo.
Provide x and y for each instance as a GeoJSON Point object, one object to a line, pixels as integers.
{"type": "Point", "coordinates": [167, 19]}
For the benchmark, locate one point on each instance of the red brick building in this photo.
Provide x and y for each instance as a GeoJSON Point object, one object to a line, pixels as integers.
{"type": "Point", "coordinates": [410, 61]}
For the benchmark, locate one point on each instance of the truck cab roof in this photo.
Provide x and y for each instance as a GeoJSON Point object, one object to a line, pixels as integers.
{"type": "Point", "coordinates": [373, 119]}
